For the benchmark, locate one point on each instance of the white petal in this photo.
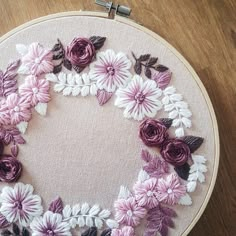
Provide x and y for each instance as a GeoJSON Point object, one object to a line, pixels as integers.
{"type": "Point", "coordinates": [185, 200]}
{"type": "Point", "coordinates": [23, 70]}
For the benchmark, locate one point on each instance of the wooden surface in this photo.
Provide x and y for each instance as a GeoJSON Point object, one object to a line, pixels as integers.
{"type": "Point", "coordinates": [205, 33]}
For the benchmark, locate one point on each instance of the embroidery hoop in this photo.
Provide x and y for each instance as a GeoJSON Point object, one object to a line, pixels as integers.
{"type": "Point", "coordinates": [180, 57]}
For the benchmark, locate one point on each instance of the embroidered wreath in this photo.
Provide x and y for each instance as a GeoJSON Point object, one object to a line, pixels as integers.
{"type": "Point", "coordinates": [158, 186]}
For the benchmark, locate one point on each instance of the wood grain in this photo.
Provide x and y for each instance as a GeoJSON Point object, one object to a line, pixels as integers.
{"type": "Point", "coordinates": [204, 31]}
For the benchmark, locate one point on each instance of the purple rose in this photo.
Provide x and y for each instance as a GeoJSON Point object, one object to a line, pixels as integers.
{"type": "Point", "coordinates": [10, 168]}
{"type": "Point", "coordinates": [80, 52]}
{"type": "Point", "coordinates": [152, 132]}
{"type": "Point", "coordinates": [175, 151]}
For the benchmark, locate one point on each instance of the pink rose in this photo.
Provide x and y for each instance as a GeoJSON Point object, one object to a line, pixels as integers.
{"type": "Point", "coordinates": [175, 151]}
{"type": "Point", "coordinates": [80, 52]}
{"type": "Point", "coordinates": [10, 168]}
{"type": "Point", "coordinates": [152, 132]}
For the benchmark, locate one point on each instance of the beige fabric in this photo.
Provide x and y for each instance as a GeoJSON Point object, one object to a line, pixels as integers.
{"type": "Point", "coordinates": [84, 152]}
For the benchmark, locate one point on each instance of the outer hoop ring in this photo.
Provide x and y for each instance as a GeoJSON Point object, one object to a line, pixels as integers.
{"type": "Point", "coordinates": [131, 23]}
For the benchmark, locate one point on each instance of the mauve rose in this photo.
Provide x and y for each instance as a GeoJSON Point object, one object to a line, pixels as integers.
{"type": "Point", "coordinates": [175, 151]}
{"type": "Point", "coordinates": [10, 168]}
{"type": "Point", "coordinates": [152, 132]}
{"type": "Point", "coordinates": [80, 52]}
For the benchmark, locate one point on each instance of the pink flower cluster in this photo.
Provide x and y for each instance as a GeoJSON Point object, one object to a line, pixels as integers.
{"type": "Point", "coordinates": [17, 107]}
{"type": "Point", "coordinates": [147, 195]}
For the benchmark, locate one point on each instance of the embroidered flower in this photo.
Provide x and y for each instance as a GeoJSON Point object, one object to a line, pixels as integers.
{"type": "Point", "coordinates": [152, 132]}
{"type": "Point", "coordinates": [35, 90]}
{"type": "Point", "coordinates": [139, 98]}
{"type": "Point", "coordinates": [110, 70]}
{"type": "Point", "coordinates": [176, 152]}
{"type": "Point", "coordinates": [10, 168]}
{"type": "Point", "coordinates": [170, 190]}
{"type": "Point", "coordinates": [80, 52]}
{"type": "Point", "coordinates": [37, 61]}
{"type": "Point", "coordinates": [16, 109]}
{"type": "Point", "coordinates": [50, 224]}
{"type": "Point", "coordinates": [125, 231]}
{"type": "Point", "coordinates": [145, 193]}
{"type": "Point", "coordinates": [19, 204]}
{"type": "Point", "coordinates": [128, 212]}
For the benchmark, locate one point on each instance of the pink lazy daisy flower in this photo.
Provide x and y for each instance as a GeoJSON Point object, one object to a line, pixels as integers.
{"type": "Point", "coordinates": [16, 109]}
{"type": "Point", "coordinates": [128, 212]}
{"type": "Point", "coordinates": [146, 193]}
{"type": "Point", "coordinates": [139, 98]}
{"type": "Point", "coordinates": [170, 190]}
{"type": "Point", "coordinates": [36, 61]}
{"type": "Point", "coordinates": [125, 231]}
{"type": "Point", "coordinates": [35, 90]}
{"type": "Point", "coordinates": [110, 70]}
{"type": "Point", "coordinates": [19, 204]}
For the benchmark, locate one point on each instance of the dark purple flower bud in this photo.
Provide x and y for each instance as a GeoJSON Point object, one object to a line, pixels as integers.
{"type": "Point", "coordinates": [175, 151]}
{"type": "Point", "coordinates": [3, 222]}
{"type": "Point", "coordinates": [10, 169]}
{"type": "Point", "coordinates": [153, 132]}
{"type": "Point", "coordinates": [80, 52]}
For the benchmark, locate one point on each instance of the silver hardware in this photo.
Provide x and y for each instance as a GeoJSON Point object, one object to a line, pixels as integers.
{"type": "Point", "coordinates": [110, 6]}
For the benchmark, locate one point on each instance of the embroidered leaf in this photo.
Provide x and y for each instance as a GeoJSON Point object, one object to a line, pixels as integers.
{"type": "Point", "coordinates": [148, 73]}
{"type": "Point", "coordinates": [94, 210]}
{"type": "Point", "coordinates": [25, 232]}
{"type": "Point", "coordinates": [67, 211]}
{"type": "Point", "coordinates": [11, 135]}
{"type": "Point", "coordinates": [51, 77]}
{"type": "Point", "coordinates": [56, 206]}
{"type": "Point", "coordinates": [8, 82]}
{"type": "Point", "coordinates": [58, 55]}
{"type": "Point", "coordinates": [124, 193]}
{"type": "Point", "coordinates": [142, 176]}
{"type": "Point", "coordinates": [112, 224]}
{"type": "Point", "coordinates": [14, 150]}
{"type": "Point", "coordinates": [167, 122]}
{"type": "Point", "coordinates": [41, 108]}
{"type": "Point", "coordinates": [161, 68]}
{"type": "Point", "coordinates": [56, 47]}
{"type": "Point", "coordinates": [162, 79]}
{"type": "Point", "coordinates": [3, 222]}
{"type": "Point", "coordinates": [106, 232]}
{"type": "Point", "coordinates": [75, 209]}
{"type": "Point", "coordinates": [98, 223]}
{"type": "Point", "coordinates": [152, 61]}
{"type": "Point", "coordinates": [57, 69]}
{"type": "Point", "coordinates": [193, 142]}
{"type": "Point", "coordinates": [97, 41]}
{"type": "Point", "coordinates": [144, 57]}
{"type": "Point", "coordinates": [73, 223]}
{"type": "Point", "coordinates": [84, 208]}
{"type": "Point", "coordinates": [155, 167]}
{"type": "Point", "coordinates": [104, 214]}
{"type": "Point", "coordinates": [67, 91]}
{"type": "Point", "coordinates": [6, 232]}
{"type": "Point", "coordinates": [90, 232]}
{"type": "Point", "coordinates": [138, 67]}
{"type": "Point", "coordinates": [145, 155]}
{"type": "Point", "coordinates": [22, 126]}
{"type": "Point", "coordinates": [183, 171]}
{"type": "Point", "coordinates": [21, 49]}
{"type": "Point", "coordinates": [16, 229]}
{"type": "Point", "coordinates": [159, 219]}
{"type": "Point", "coordinates": [93, 89]}
{"type": "Point", "coordinates": [67, 64]}
{"type": "Point", "coordinates": [178, 110]}
{"type": "Point", "coordinates": [89, 221]}
{"type": "Point", "coordinates": [191, 186]}
{"type": "Point", "coordinates": [81, 221]}
{"type": "Point", "coordinates": [103, 96]}
{"type": "Point", "coordinates": [185, 200]}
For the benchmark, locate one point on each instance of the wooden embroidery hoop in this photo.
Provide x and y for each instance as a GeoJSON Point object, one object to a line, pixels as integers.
{"type": "Point", "coordinates": [180, 57]}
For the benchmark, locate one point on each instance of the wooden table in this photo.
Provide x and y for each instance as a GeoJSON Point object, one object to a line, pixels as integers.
{"type": "Point", "coordinates": [204, 31]}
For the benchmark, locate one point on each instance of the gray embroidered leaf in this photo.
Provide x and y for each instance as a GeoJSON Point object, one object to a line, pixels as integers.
{"type": "Point", "coordinates": [98, 223]}
{"type": "Point", "coordinates": [22, 126]}
{"type": "Point", "coordinates": [67, 91]}
{"type": "Point", "coordinates": [73, 223]}
{"type": "Point", "coordinates": [41, 108]}
{"type": "Point", "coordinates": [104, 214]}
{"type": "Point", "coordinates": [81, 221]}
{"type": "Point", "coordinates": [67, 211]}
{"type": "Point", "coordinates": [89, 221]}
{"type": "Point", "coordinates": [112, 224]}
{"type": "Point", "coordinates": [94, 210]}
{"type": "Point", "coordinates": [124, 193]}
{"type": "Point", "coordinates": [142, 176]}
{"type": "Point", "coordinates": [59, 87]}
{"type": "Point", "coordinates": [75, 209]}
{"type": "Point", "coordinates": [51, 77]}
{"type": "Point", "coordinates": [85, 208]}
